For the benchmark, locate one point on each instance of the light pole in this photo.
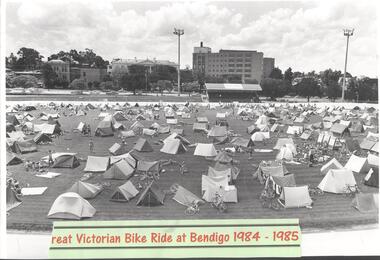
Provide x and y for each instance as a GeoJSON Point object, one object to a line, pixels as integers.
{"type": "Point", "coordinates": [347, 33]}
{"type": "Point", "coordinates": [179, 32]}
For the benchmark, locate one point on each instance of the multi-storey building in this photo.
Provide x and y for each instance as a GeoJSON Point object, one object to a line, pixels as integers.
{"type": "Point", "coordinates": [118, 67]}
{"type": "Point", "coordinates": [268, 66]}
{"type": "Point", "coordinates": [243, 64]}
{"type": "Point", "coordinates": [61, 68]}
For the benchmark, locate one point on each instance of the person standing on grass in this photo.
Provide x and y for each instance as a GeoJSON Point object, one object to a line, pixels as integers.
{"type": "Point", "coordinates": [91, 144]}
{"type": "Point", "coordinates": [250, 150]}
{"type": "Point", "coordinates": [51, 161]}
{"type": "Point", "coordinates": [89, 129]}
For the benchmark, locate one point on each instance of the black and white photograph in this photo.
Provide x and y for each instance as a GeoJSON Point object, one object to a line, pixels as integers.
{"type": "Point", "coordinates": [188, 110]}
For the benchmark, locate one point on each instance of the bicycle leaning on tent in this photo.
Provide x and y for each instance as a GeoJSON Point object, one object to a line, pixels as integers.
{"type": "Point", "coordinates": [218, 203]}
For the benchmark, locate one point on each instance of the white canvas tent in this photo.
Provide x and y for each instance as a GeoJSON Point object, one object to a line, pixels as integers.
{"type": "Point", "coordinates": [121, 170]}
{"type": "Point", "coordinates": [336, 181]}
{"type": "Point", "coordinates": [356, 164]}
{"type": "Point", "coordinates": [124, 193]}
{"type": "Point", "coordinates": [333, 164]}
{"type": "Point", "coordinates": [85, 190]}
{"type": "Point", "coordinates": [96, 164]}
{"type": "Point", "coordinates": [213, 185]}
{"type": "Point", "coordinates": [173, 146]}
{"type": "Point", "coordinates": [285, 153]}
{"type": "Point", "coordinates": [296, 197]}
{"type": "Point", "coordinates": [206, 150]}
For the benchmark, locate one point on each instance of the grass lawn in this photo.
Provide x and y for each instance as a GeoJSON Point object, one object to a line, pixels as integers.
{"type": "Point", "coordinates": [329, 210]}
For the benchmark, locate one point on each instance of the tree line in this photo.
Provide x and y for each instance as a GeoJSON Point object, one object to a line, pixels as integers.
{"type": "Point", "coordinates": [327, 83]}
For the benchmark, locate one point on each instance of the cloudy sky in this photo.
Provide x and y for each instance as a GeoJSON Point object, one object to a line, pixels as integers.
{"type": "Point", "coordinates": [304, 35]}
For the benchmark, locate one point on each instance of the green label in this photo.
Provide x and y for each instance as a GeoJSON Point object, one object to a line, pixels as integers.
{"type": "Point", "coordinates": [176, 238]}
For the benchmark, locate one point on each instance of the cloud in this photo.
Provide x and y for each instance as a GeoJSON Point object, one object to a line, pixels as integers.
{"type": "Point", "coordinates": [305, 38]}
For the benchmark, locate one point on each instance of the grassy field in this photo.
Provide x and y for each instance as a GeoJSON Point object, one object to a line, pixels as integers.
{"type": "Point", "coordinates": [105, 98]}
{"type": "Point", "coordinates": [329, 211]}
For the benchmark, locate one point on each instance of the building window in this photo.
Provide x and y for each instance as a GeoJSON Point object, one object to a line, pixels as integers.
{"type": "Point", "coordinates": [231, 60]}
{"type": "Point", "coordinates": [247, 64]}
{"type": "Point", "coordinates": [247, 70]}
{"type": "Point", "coordinates": [239, 60]}
{"type": "Point", "coordinates": [239, 70]}
{"type": "Point", "coordinates": [230, 70]}
{"type": "Point", "coordinates": [231, 65]}
{"type": "Point", "coordinates": [84, 74]}
{"type": "Point", "coordinates": [247, 75]}
{"type": "Point", "coordinates": [239, 65]}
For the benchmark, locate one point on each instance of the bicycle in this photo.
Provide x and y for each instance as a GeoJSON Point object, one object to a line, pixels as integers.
{"type": "Point", "coordinates": [218, 203]}
{"type": "Point", "coordinates": [351, 190]}
{"type": "Point", "coordinates": [193, 208]}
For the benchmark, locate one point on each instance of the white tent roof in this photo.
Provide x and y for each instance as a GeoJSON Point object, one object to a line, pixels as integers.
{"type": "Point", "coordinates": [96, 164]}
{"type": "Point", "coordinates": [356, 164]}
{"type": "Point", "coordinates": [71, 205]}
{"type": "Point", "coordinates": [207, 150]}
{"type": "Point", "coordinates": [336, 181]}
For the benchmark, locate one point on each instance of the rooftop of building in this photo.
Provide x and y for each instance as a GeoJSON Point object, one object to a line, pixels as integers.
{"type": "Point", "coordinates": [232, 87]}
{"type": "Point", "coordinates": [57, 62]}
{"type": "Point", "coordinates": [222, 50]}
{"type": "Point", "coordinates": [144, 62]}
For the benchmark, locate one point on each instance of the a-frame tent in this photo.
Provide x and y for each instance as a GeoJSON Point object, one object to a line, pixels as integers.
{"type": "Point", "coordinates": [97, 164]}
{"type": "Point", "coordinates": [104, 129]}
{"type": "Point", "coordinates": [118, 149]}
{"type": "Point", "coordinates": [336, 181]}
{"type": "Point", "coordinates": [185, 197]}
{"type": "Point", "coordinates": [119, 171]}
{"type": "Point", "coordinates": [42, 138]}
{"type": "Point", "coordinates": [173, 146]}
{"type": "Point", "coordinates": [85, 190]}
{"type": "Point", "coordinates": [151, 196]}
{"type": "Point", "coordinates": [12, 200]}
{"type": "Point", "coordinates": [124, 193]}
{"type": "Point", "coordinates": [296, 197]}
{"type": "Point", "coordinates": [142, 145]}
{"type": "Point", "coordinates": [332, 164]}
{"type": "Point", "coordinates": [13, 159]}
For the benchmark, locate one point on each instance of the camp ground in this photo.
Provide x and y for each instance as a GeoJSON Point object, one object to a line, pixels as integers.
{"type": "Point", "coordinates": [152, 162]}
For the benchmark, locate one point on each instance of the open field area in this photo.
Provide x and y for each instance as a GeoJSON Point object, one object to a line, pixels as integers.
{"type": "Point", "coordinates": [329, 211]}
{"type": "Point", "coordinates": [104, 98]}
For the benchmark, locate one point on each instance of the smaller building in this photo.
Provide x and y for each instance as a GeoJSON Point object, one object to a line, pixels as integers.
{"type": "Point", "coordinates": [225, 92]}
{"type": "Point", "coordinates": [119, 67]}
{"type": "Point", "coordinates": [61, 68]}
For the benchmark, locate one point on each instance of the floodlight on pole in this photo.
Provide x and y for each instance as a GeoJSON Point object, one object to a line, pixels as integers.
{"type": "Point", "coordinates": [179, 32]}
{"type": "Point", "coordinates": [347, 33]}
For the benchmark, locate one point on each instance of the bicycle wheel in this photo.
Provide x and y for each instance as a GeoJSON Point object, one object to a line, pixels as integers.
{"type": "Point", "coordinates": [190, 211]}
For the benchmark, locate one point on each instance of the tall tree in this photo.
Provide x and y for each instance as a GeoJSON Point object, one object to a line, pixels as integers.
{"type": "Point", "coordinates": [88, 57]}
{"type": "Point", "coordinates": [276, 74]}
{"type": "Point", "coordinates": [309, 87]}
{"type": "Point", "coordinates": [29, 59]}
{"type": "Point", "coordinates": [135, 79]}
{"type": "Point", "coordinates": [186, 75]}
{"type": "Point", "coordinates": [273, 88]}
{"type": "Point", "coordinates": [49, 76]}
{"type": "Point", "coordinates": [288, 75]}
